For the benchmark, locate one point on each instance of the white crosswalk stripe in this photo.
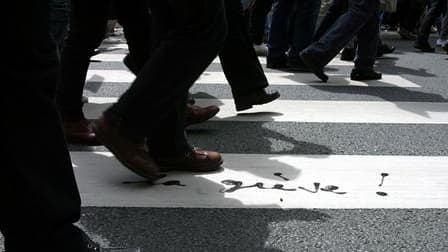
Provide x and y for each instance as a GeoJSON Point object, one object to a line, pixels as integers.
{"type": "Point", "coordinates": [115, 57]}
{"type": "Point", "coordinates": [314, 111]}
{"type": "Point", "coordinates": [104, 182]}
{"type": "Point", "coordinates": [294, 79]}
{"type": "Point", "coordinates": [267, 180]}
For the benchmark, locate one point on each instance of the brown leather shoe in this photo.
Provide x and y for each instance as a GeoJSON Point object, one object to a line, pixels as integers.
{"type": "Point", "coordinates": [195, 114]}
{"type": "Point", "coordinates": [80, 132]}
{"type": "Point", "coordinates": [195, 160]}
{"type": "Point", "coordinates": [131, 153]}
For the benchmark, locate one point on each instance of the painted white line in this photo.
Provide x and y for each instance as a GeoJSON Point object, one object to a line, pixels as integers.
{"type": "Point", "coordinates": [411, 182]}
{"type": "Point", "coordinates": [335, 62]}
{"type": "Point", "coordinates": [315, 111]}
{"type": "Point", "coordinates": [110, 76]}
{"type": "Point", "coordinates": [109, 57]}
{"type": "Point", "coordinates": [114, 46]}
{"type": "Point", "coordinates": [295, 79]}
{"type": "Point", "coordinates": [307, 79]}
{"type": "Point", "coordinates": [116, 57]}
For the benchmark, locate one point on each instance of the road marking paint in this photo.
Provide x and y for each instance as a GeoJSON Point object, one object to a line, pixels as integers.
{"type": "Point", "coordinates": [412, 182]}
{"type": "Point", "coordinates": [295, 79]}
{"type": "Point", "coordinates": [118, 57]}
{"type": "Point", "coordinates": [314, 111]}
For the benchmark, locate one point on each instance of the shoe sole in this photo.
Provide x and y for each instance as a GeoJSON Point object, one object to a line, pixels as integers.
{"type": "Point", "coordinates": [365, 79]}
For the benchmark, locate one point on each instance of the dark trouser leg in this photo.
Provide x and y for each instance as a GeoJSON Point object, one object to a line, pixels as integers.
{"type": "Point", "coordinates": [136, 21]}
{"type": "Point", "coordinates": [444, 30]}
{"type": "Point", "coordinates": [304, 25]}
{"type": "Point", "coordinates": [436, 8]}
{"type": "Point", "coordinates": [409, 12]}
{"type": "Point", "coordinates": [337, 8]}
{"type": "Point", "coordinates": [40, 199]}
{"type": "Point", "coordinates": [258, 20]}
{"type": "Point", "coordinates": [168, 138]}
{"type": "Point", "coordinates": [368, 38]}
{"type": "Point", "coordinates": [343, 30]}
{"type": "Point", "coordinates": [195, 33]}
{"type": "Point", "coordinates": [278, 35]}
{"type": "Point", "coordinates": [88, 21]}
{"type": "Point", "coordinates": [238, 59]}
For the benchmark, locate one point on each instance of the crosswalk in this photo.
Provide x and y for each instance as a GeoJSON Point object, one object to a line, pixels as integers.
{"type": "Point", "coordinates": [277, 179]}
{"type": "Point", "coordinates": [340, 166]}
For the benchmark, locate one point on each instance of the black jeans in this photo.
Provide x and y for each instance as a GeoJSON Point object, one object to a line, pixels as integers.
{"type": "Point", "coordinates": [238, 58]}
{"type": "Point", "coordinates": [292, 28]}
{"type": "Point", "coordinates": [436, 8]}
{"type": "Point", "coordinates": [40, 199]}
{"type": "Point", "coordinates": [188, 36]}
{"type": "Point", "coordinates": [88, 21]}
{"type": "Point", "coordinates": [444, 28]}
{"type": "Point", "coordinates": [258, 20]}
{"type": "Point", "coordinates": [409, 12]}
{"type": "Point", "coordinates": [361, 19]}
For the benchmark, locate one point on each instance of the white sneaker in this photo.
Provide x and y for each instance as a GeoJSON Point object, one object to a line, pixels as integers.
{"type": "Point", "coordinates": [261, 50]}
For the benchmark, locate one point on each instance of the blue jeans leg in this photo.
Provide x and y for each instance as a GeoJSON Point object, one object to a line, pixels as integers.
{"type": "Point", "coordinates": [343, 30]}
{"type": "Point", "coordinates": [367, 44]}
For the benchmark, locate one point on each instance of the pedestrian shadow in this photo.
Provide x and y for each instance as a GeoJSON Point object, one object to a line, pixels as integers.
{"type": "Point", "coordinates": [185, 229]}
{"type": "Point", "coordinates": [252, 138]}
{"type": "Point", "coordinates": [389, 66]}
{"type": "Point", "coordinates": [405, 99]}
{"type": "Point", "coordinates": [343, 80]}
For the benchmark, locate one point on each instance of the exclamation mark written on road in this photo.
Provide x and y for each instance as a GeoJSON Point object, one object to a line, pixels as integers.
{"type": "Point", "coordinates": [383, 175]}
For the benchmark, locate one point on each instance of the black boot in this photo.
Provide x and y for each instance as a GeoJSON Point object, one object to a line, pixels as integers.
{"type": "Point", "coordinates": [364, 75]}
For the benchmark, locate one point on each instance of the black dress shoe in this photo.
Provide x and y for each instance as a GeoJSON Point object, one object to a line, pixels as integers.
{"type": "Point", "coordinates": [316, 68]}
{"type": "Point", "coordinates": [256, 98]}
{"type": "Point", "coordinates": [276, 62]}
{"type": "Point", "coordinates": [424, 47]}
{"type": "Point", "coordinates": [296, 65]}
{"type": "Point", "coordinates": [348, 54]}
{"type": "Point", "coordinates": [364, 75]}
